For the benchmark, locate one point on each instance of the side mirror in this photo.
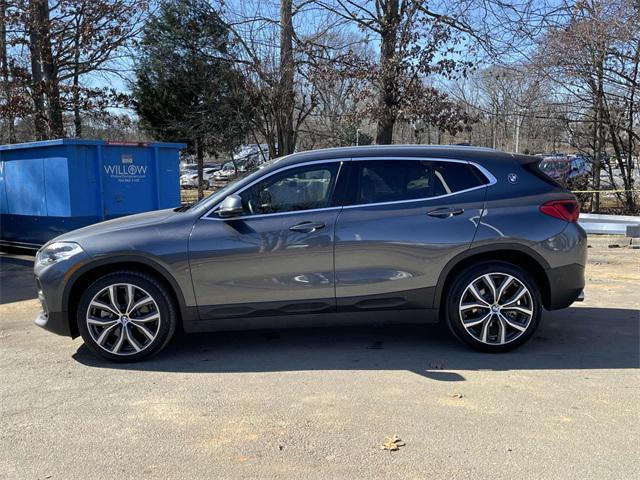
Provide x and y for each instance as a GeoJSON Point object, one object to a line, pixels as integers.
{"type": "Point", "coordinates": [231, 207]}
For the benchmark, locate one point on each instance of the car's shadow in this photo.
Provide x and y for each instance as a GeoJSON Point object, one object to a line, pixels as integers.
{"type": "Point", "coordinates": [575, 338]}
{"type": "Point", "coordinates": [16, 278]}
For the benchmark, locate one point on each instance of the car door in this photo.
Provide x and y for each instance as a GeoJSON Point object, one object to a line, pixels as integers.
{"type": "Point", "coordinates": [403, 221]}
{"type": "Point", "coordinates": [277, 257]}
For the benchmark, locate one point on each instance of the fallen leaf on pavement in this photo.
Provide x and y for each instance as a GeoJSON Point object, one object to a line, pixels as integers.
{"type": "Point", "coordinates": [392, 444]}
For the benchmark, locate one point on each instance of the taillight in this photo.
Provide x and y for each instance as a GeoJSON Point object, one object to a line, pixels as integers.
{"type": "Point", "coordinates": [568, 210]}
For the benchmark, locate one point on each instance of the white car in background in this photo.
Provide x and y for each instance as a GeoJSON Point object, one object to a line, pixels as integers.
{"type": "Point", "coordinates": [225, 173]}
{"type": "Point", "coordinates": [190, 178]}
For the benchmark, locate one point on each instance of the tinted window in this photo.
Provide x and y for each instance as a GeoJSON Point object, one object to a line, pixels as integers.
{"type": "Point", "coordinates": [396, 180]}
{"type": "Point", "coordinates": [451, 177]}
{"type": "Point", "coordinates": [389, 181]}
{"type": "Point", "coordinates": [294, 189]}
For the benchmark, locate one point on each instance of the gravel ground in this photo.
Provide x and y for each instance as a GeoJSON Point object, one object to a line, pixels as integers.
{"type": "Point", "coordinates": [319, 403]}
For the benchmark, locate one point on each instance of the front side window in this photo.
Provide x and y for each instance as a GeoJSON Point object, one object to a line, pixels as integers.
{"type": "Point", "coordinates": [380, 181]}
{"type": "Point", "coordinates": [294, 189]}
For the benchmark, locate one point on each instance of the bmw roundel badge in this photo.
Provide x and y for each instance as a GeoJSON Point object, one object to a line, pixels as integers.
{"type": "Point", "coordinates": [513, 178]}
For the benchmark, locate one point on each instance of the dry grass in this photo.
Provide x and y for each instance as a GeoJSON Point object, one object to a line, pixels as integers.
{"type": "Point", "coordinates": [189, 196]}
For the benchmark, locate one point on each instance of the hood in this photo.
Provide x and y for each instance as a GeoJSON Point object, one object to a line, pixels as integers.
{"type": "Point", "coordinates": [116, 225]}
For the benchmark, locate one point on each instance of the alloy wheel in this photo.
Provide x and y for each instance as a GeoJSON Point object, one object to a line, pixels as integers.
{"type": "Point", "coordinates": [123, 319]}
{"type": "Point", "coordinates": [496, 308]}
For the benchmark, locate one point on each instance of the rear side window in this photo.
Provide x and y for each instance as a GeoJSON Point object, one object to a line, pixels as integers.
{"type": "Point", "coordinates": [379, 181]}
{"type": "Point", "coordinates": [389, 181]}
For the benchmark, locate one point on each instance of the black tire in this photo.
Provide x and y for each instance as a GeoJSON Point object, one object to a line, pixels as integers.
{"type": "Point", "coordinates": [166, 308]}
{"type": "Point", "coordinates": [465, 278]}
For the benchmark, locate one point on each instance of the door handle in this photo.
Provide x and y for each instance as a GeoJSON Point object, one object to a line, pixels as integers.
{"type": "Point", "coordinates": [445, 212]}
{"type": "Point", "coordinates": [307, 227]}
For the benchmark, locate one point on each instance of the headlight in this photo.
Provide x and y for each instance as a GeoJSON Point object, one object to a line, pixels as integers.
{"type": "Point", "coordinates": [57, 252]}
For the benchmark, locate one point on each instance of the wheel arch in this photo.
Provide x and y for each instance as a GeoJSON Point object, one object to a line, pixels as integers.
{"type": "Point", "coordinates": [515, 254]}
{"type": "Point", "coordinates": [88, 273]}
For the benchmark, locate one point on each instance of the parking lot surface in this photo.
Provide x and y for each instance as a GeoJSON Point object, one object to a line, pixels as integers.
{"type": "Point", "coordinates": [319, 403]}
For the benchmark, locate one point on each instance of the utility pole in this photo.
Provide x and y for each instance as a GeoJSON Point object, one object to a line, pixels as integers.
{"type": "Point", "coordinates": [519, 119]}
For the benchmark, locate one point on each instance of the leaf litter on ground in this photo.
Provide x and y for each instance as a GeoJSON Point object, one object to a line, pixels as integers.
{"type": "Point", "coordinates": [392, 444]}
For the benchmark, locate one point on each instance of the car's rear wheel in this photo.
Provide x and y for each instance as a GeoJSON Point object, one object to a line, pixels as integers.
{"type": "Point", "coordinates": [126, 316]}
{"type": "Point", "coordinates": [494, 306]}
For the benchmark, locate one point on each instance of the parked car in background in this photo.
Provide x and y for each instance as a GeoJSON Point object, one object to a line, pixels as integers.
{"type": "Point", "coordinates": [481, 240]}
{"type": "Point", "coordinates": [557, 167]}
{"type": "Point", "coordinates": [186, 173]}
{"type": "Point", "coordinates": [257, 153]}
{"type": "Point", "coordinates": [227, 172]}
{"type": "Point", "coordinates": [580, 165]}
{"type": "Point", "coordinates": [188, 168]}
{"type": "Point", "coordinates": [190, 179]}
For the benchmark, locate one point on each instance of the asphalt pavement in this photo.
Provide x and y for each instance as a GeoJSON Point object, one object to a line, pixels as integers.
{"type": "Point", "coordinates": [319, 403]}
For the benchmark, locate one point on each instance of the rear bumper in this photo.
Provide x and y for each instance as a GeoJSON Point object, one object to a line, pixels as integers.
{"type": "Point", "coordinates": [566, 285]}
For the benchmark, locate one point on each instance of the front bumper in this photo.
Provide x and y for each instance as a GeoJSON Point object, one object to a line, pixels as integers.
{"type": "Point", "coordinates": [566, 285]}
{"type": "Point", "coordinates": [55, 322]}
{"type": "Point", "coordinates": [51, 281]}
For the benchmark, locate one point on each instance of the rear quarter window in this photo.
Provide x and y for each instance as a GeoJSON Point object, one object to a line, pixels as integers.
{"type": "Point", "coordinates": [451, 177]}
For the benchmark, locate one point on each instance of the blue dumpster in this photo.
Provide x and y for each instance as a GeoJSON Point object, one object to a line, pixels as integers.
{"type": "Point", "coordinates": [48, 188]}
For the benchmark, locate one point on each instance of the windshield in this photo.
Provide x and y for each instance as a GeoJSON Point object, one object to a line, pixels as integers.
{"type": "Point", "coordinates": [224, 191]}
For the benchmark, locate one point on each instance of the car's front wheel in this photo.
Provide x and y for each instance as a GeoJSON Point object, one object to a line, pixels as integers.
{"type": "Point", "coordinates": [494, 306]}
{"type": "Point", "coordinates": [126, 316]}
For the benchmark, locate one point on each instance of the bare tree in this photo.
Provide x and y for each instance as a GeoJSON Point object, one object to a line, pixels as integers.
{"type": "Point", "coordinates": [277, 55]}
{"type": "Point", "coordinates": [88, 36]}
{"type": "Point", "coordinates": [66, 41]}
{"type": "Point", "coordinates": [416, 44]}
{"type": "Point", "coordinates": [594, 57]}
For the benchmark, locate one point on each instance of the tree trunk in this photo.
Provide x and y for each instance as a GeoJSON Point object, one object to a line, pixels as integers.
{"type": "Point", "coordinates": [37, 81]}
{"type": "Point", "coordinates": [49, 68]}
{"type": "Point", "coordinates": [4, 71]}
{"type": "Point", "coordinates": [286, 134]}
{"type": "Point", "coordinates": [384, 130]}
{"type": "Point", "coordinates": [388, 73]}
{"type": "Point", "coordinates": [598, 137]}
{"type": "Point", "coordinates": [200, 158]}
{"type": "Point", "coordinates": [617, 143]}
{"type": "Point", "coordinates": [77, 119]}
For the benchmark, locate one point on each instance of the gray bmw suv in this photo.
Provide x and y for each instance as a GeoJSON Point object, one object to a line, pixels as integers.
{"type": "Point", "coordinates": [480, 239]}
